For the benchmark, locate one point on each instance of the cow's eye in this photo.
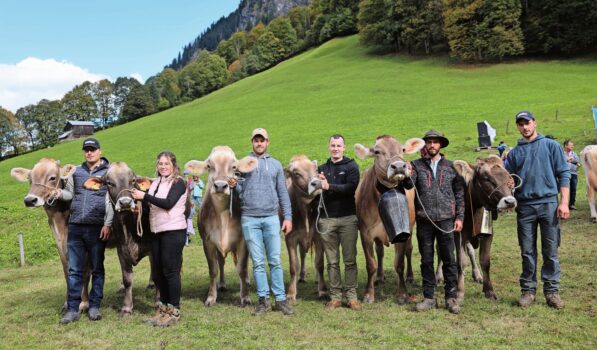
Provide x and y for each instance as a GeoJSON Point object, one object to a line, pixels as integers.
{"type": "Point", "coordinates": [52, 178]}
{"type": "Point", "coordinates": [109, 184]}
{"type": "Point", "coordinates": [376, 152]}
{"type": "Point", "coordinates": [208, 166]}
{"type": "Point", "coordinates": [234, 167]}
{"type": "Point", "coordinates": [296, 173]}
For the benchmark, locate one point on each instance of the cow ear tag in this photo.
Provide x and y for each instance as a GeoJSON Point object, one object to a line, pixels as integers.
{"type": "Point", "coordinates": [143, 187]}
{"type": "Point", "coordinates": [92, 184]}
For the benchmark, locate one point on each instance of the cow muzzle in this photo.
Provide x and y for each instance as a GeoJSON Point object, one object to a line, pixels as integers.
{"type": "Point", "coordinates": [314, 185]}
{"type": "Point", "coordinates": [221, 186]}
{"type": "Point", "coordinates": [507, 202]}
{"type": "Point", "coordinates": [398, 170]}
{"type": "Point", "coordinates": [124, 203]}
{"type": "Point", "coordinates": [32, 201]}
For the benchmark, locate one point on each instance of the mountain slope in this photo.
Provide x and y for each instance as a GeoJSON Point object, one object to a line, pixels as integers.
{"type": "Point", "coordinates": [335, 88]}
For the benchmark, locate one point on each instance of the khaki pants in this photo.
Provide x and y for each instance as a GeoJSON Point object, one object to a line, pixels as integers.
{"type": "Point", "coordinates": [338, 232]}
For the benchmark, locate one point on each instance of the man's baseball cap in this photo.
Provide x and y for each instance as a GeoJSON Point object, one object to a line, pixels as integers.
{"type": "Point", "coordinates": [260, 132]}
{"type": "Point", "coordinates": [524, 115]}
{"type": "Point", "coordinates": [91, 143]}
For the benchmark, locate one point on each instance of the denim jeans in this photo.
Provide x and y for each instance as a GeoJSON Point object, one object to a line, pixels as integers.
{"type": "Point", "coordinates": [263, 234]}
{"type": "Point", "coordinates": [84, 242]}
{"type": "Point", "coordinates": [426, 234]}
{"type": "Point", "coordinates": [573, 185]}
{"type": "Point", "coordinates": [529, 218]}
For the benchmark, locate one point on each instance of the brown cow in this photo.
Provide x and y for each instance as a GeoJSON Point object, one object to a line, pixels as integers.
{"type": "Point", "coordinates": [389, 168]}
{"type": "Point", "coordinates": [45, 178]}
{"type": "Point", "coordinates": [488, 186]}
{"type": "Point", "coordinates": [302, 183]}
{"type": "Point", "coordinates": [588, 157]}
{"type": "Point", "coordinates": [131, 235]}
{"type": "Point", "coordinates": [219, 219]}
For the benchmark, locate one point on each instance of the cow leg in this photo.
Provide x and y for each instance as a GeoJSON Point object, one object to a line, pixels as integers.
{"type": "Point", "coordinates": [62, 252]}
{"type": "Point", "coordinates": [485, 257]}
{"type": "Point", "coordinates": [461, 263]}
{"type": "Point", "coordinates": [303, 270]}
{"type": "Point", "coordinates": [243, 274]}
{"type": "Point", "coordinates": [369, 296]}
{"type": "Point", "coordinates": [439, 272]}
{"type": "Point", "coordinates": [291, 246]}
{"type": "Point", "coordinates": [150, 283]}
{"type": "Point", "coordinates": [322, 288]}
{"type": "Point", "coordinates": [84, 305]}
{"type": "Point", "coordinates": [410, 277]}
{"type": "Point", "coordinates": [222, 283]}
{"type": "Point", "coordinates": [127, 282]}
{"type": "Point", "coordinates": [591, 199]}
{"type": "Point", "coordinates": [401, 294]}
{"type": "Point", "coordinates": [212, 263]}
{"type": "Point", "coordinates": [379, 250]}
{"type": "Point", "coordinates": [470, 251]}
{"type": "Point", "coordinates": [152, 278]}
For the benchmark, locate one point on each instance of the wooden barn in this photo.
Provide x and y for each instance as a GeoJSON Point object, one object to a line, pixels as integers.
{"type": "Point", "coordinates": [75, 130]}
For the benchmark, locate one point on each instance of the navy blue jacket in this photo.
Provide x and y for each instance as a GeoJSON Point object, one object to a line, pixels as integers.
{"type": "Point", "coordinates": [88, 206]}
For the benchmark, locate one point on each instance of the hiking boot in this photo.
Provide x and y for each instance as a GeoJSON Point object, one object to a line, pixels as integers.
{"type": "Point", "coordinates": [171, 316]}
{"type": "Point", "coordinates": [159, 313]}
{"type": "Point", "coordinates": [263, 306]}
{"type": "Point", "coordinates": [94, 314]}
{"type": "Point", "coordinates": [526, 299]}
{"type": "Point", "coordinates": [452, 306]}
{"type": "Point", "coordinates": [284, 308]}
{"type": "Point", "coordinates": [426, 305]}
{"type": "Point", "coordinates": [333, 304]}
{"type": "Point", "coordinates": [355, 305]}
{"type": "Point", "coordinates": [554, 300]}
{"type": "Point", "coordinates": [70, 316]}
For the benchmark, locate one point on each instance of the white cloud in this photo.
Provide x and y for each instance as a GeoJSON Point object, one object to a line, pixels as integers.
{"type": "Point", "coordinates": [34, 79]}
{"type": "Point", "coordinates": [139, 77]}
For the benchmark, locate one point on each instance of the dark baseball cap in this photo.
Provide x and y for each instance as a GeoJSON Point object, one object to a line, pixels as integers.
{"type": "Point", "coordinates": [524, 115]}
{"type": "Point", "coordinates": [91, 143]}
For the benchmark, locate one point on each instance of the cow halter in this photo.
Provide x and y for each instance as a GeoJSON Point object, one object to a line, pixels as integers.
{"type": "Point", "coordinates": [139, 211]}
{"type": "Point", "coordinates": [379, 169]}
{"type": "Point", "coordinates": [510, 183]}
{"type": "Point", "coordinates": [53, 197]}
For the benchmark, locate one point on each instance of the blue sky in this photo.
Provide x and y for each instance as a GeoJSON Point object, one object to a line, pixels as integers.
{"type": "Point", "coordinates": [94, 39]}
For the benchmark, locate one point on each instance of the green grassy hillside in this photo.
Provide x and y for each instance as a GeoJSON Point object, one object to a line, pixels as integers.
{"type": "Point", "coordinates": [336, 88]}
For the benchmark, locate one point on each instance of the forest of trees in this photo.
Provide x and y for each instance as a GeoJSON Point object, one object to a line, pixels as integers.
{"type": "Point", "coordinates": [467, 30]}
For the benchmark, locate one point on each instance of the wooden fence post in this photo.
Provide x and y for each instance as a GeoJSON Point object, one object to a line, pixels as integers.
{"type": "Point", "coordinates": [22, 249]}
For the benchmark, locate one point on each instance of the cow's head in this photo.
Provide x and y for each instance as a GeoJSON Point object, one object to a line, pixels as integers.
{"type": "Point", "coordinates": [120, 180]}
{"type": "Point", "coordinates": [221, 165]}
{"type": "Point", "coordinates": [302, 172]}
{"type": "Point", "coordinates": [491, 183]}
{"type": "Point", "coordinates": [389, 165]}
{"type": "Point", "coordinates": [45, 177]}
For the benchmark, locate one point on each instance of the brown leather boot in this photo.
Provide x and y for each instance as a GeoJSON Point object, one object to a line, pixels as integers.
{"type": "Point", "coordinates": [170, 317]}
{"type": "Point", "coordinates": [333, 304]}
{"type": "Point", "coordinates": [526, 299]}
{"type": "Point", "coordinates": [354, 305]}
{"type": "Point", "coordinates": [159, 313]}
{"type": "Point", "coordinates": [554, 300]}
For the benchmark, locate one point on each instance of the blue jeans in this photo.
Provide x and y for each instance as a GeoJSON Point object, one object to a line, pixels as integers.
{"type": "Point", "coordinates": [529, 218]}
{"type": "Point", "coordinates": [263, 233]}
{"type": "Point", "coordinates": [84, 243]}
{"type": "Point", "coordinates": [573, 185]}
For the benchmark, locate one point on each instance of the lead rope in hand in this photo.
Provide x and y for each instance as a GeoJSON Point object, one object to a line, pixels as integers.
{"type": "Point", "coordinates": [139, 219]}
{"type": "Point", "coordinates": [319, 206]}
{"type": "Point", "coordinates": [427, 215]}
{"type": "Point", "coordinates": [238, 178]}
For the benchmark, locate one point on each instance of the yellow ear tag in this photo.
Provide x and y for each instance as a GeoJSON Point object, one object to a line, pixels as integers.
{"type": "Point", "coordinates": [143, 187]}
{"type": "Point", "coordinates": [95, 186]}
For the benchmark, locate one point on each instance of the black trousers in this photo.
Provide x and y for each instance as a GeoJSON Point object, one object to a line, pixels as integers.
{"type": "Point", "coordinates": [167, 260]}
{"type": "Point", "coordinates": [426, 235]}
{"type": "Point", "coordinates": [573, 185]}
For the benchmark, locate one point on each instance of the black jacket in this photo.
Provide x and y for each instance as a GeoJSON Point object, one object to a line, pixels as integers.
{"type": "Point", "coordinates": [343, 178]}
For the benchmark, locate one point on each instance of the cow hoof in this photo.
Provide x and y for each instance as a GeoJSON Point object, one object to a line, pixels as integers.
{"type": "Point", "coordinates": [83, 306]}
{"type": "Point", "coordinates": [323, 295]}
{"type": "Point", "coordinates": [478, 280]}
{"type": "Point", "coordinates": [211, 301]}
{"type": "Point", "coordinates": [302, 280]}
{"type": "Point", "coordinates": [491, 295]}
{"type": "Point", "coordinates": [379, 281]}
{"type": "Point", "coordinates": [244, 302]}
{"type": "Point", "coordinates": [367, 299]}
{"type": "Point", "coordinates": [439, 281]}
{"type": "Point", "coordinates": [290, 299]}
{"type": "Point", "coordinates": [402, 299]}
{"type": "Point", "coordinates": [594, 220]}
{"type": "Point", "coordinates": [222, 287]}
{"type": "Point", "coordinates": [126, 312]}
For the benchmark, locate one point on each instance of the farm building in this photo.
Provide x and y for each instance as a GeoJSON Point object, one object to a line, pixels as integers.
{"type": "Point", "coordinates": [75, 130]}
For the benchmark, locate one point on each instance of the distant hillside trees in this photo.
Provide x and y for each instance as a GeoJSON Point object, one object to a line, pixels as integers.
{"type": "Point", "coordinates": [138, 104]}
{"type": "Point", "coordinates": [78, 104]}
{"type": "Point", "coordinates": [202, 76]}
{"type": "Point", "coordinates": [333, 18]}
{"type": "Point", "coordinates": [12, 136]}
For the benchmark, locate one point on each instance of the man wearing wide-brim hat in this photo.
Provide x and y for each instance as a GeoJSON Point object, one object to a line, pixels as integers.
{"type": "Point", "coordinates": [439, 213]}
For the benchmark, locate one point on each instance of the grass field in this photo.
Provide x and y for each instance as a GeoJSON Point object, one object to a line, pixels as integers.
{"type": "Point", "coordinates": [336, 88]}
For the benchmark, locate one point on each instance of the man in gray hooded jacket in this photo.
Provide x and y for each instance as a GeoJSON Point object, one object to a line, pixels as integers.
{"type": "Point", "coordinates": [262, 193]}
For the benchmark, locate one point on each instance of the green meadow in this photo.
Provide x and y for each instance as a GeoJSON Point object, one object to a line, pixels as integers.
{"type": "Point", "coordinates": [339, 87]}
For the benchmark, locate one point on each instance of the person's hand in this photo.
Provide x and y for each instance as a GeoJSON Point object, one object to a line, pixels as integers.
{"type": "Point", "coordinates": [232, 182]}
{"type": "Point", "coordinates": [287, 227]}
{"type": "Point", "coordinates": [457, 225]}
{"type": "Point", "coordinates": [105, 233]}
{"type": "Point", "coordinates": [138, 195]}
{"type": "Point", "coordinates": [324, 182]}
{"type": "Point", "coordinates": [563, 211]}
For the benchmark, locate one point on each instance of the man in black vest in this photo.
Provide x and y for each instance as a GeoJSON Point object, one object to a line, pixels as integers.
{"type": "Point", "coordinates": [338, 222]}
{"type": "Point", "coordinates": [89, 227]}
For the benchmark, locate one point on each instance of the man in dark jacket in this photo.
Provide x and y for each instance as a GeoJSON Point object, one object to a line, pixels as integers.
{"type": "Point", "coordinates": [89, 227]}
{"type": "Point", "coordinates": [439, 213]}
{"type": "Point", "coordinates": [338, 222]}
{"type": "Point", "coordinates": [541, 164]}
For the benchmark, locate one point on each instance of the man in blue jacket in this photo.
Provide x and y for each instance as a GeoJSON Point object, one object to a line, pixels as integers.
{"type": "Point", "coordinates": [262, 193]}
{"type": "Point", "coordinates": [89, 227]}
{"type": "Point", "coordinates": [542, 166]}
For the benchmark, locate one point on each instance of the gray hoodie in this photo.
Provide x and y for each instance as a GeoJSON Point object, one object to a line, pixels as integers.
{"type": "Point", "coordinates": [263, 191]}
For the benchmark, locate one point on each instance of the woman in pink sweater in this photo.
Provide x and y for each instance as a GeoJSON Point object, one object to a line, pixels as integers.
{"type": "Point", "coordinates": [167, 197]}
